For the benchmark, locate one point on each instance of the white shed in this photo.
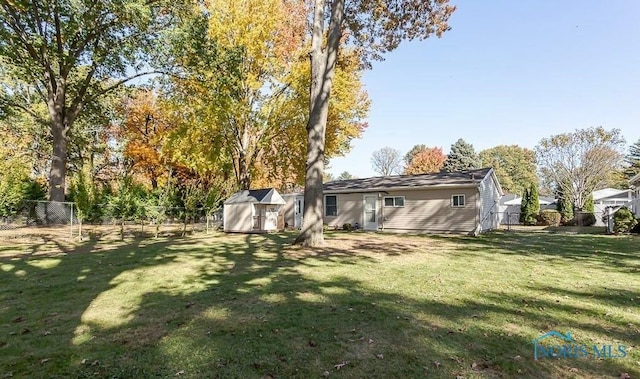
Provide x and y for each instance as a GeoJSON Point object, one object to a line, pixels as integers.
{"type": "Point", "coordinates": [252, 211]}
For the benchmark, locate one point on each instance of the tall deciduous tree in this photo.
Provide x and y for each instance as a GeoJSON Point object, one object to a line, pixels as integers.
{"type": "Point", "coordinates": [461, 157]}
{"type": "Point", "coordinates": [515, 166]}
{"type": "Point", "coordinates": [67, 53]}
{"type": "Point", "coordinates": [374, 27]}
{"type": "Point", "coordinates": [580, 162]}
{"type": "Point", "coordinates": [386, 161]}
{"type": "Point", "coordinates": [429, 159]}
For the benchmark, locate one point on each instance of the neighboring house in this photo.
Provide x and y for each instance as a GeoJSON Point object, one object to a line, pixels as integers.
{"type": "Point", "coordinates": [510, 207]}
{"type": "Point", "coordinates": [634, 184]}
{"type": "Point", "coordinates": [459, 202]}
{"type": "Point", "coordinates": [609, 197]}
{"type": "Point", "coordinates": [253, 211]}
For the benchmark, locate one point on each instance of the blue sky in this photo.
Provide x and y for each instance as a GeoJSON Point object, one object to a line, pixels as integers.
{"type": "Point", "coordinates": [509, 72]}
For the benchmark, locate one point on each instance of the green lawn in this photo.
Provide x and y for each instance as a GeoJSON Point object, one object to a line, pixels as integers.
{"type": "Point", "coordinates": [367, 305]}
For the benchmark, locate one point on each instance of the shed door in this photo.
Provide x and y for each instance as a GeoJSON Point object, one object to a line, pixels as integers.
{"type": "Point", "coordinates": [370, 213]}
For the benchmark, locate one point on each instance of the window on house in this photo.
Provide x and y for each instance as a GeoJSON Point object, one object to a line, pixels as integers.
{"type": "Point", "coordinates": [457, 201]}
{"type": "Point", "coordinates": [331, 205]}
{"type": "Point", "coordinates": [394, 201]}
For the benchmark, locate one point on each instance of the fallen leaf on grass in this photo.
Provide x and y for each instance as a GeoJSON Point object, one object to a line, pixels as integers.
{"type": "Point", "coordinates": [380, 356]}
{"type": "Point", "coordinates": [371, 341]}
{"type": "Point", "coordinates": [84, 361]}
{"type": "Point", "coordinates": [474, 366]}
{"type": "Point", "coordinates": [45, 360]}
{"type": "Point", "coordinates": [326, 374]}
{"type": "Point", "coordinates": [437, 364]}
{"type": "Point", "coordinates": [25, 331]}
{"type": "Point", "coordinates": [95, 363]}
{"type": "Point", "coordinates": [7, 375]}
{"type": "Point", "coordinates": [625, 375]}
{"type": "Point", "coordinates": [18, 319]}
{"type": "Point", "coordinates": [46, 333]}
{"type": "Point", "coordinates": [181, 372]}
{"type": "Point", "coordinates": [340, 365]}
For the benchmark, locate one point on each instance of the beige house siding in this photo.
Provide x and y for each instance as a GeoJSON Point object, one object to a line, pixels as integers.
{"type": "Point", "coordinates": [424, 210]}
{"type": "Point", "coordinates": [349, 209]}
{"type": "Point", "coordinates": [289, 208]}
{"type": "Point", "coordinates": [431, 210]}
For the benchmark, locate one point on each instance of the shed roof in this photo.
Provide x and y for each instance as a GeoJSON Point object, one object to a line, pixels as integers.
{"type": "Point", "coordinates": [464, 178]}
{"type": "Point", "coordinates": [262, 196]}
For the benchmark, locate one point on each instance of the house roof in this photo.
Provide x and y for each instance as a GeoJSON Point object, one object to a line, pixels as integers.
{"type": "Point", "coordinates": [542, 200]}
{"type": "Point", "coordinates": [635, 179]}
{"type": "Point", "coordinates": [610, 192]}
{"type": "Point", "coordinates": [467, 178]}
{"type": "Point", "coordinates": [262, 196]}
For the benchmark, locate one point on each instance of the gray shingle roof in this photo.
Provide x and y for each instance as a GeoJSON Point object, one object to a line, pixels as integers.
{"type": "Point", "coordinates": [461, 178]}
{"type": "Point", "coordinates": [263, 196]}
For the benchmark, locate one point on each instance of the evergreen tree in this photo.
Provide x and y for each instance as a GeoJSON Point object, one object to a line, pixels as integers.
{"type": "Point", "coordinates": [462, 157]}
{"type": "Point", "coordinates": [589, 206]}
{"type": "Point", "coordinates": [530, 206]}
{"type": "Point", "coordinates": [633, 160]}
{"type": "Point", "coordinates": [565, 208]}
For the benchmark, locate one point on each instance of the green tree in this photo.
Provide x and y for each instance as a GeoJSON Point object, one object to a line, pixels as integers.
{"type": "Point", "coordinates": [578, 163]}
{"type": "Point", "coordinates": [67, 53]}
{"type": "Point", "coordinates": [345, 175]}
{"type": "Point", "coordinates": [373, 28]}
{"type": "Point", "coordinates": [461, 157]}
{"type": "Point", "coordinates": [530, 205]}
{"type": "Point", "coordinates": [589, 206]}
{"type": "Point", "coordinates": [515, 166]}
{"type": "Point", "coordinates": [632, 160]}
{"type": "Point", "coordinates": [564, 206]}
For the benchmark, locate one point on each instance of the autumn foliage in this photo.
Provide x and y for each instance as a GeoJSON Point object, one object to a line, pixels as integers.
{"type": "Point", "coordinates": [431, 159]}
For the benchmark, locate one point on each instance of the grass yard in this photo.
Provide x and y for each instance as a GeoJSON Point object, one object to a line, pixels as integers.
{"type": "Point", "coordinates": [367, 305]}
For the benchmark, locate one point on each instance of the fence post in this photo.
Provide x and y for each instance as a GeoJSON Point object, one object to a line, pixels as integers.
{"type": "Point", "coordinates": [71, 222]}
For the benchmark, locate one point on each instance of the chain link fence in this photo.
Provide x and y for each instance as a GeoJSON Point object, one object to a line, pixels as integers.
{"type": "Point", "coordinates": [581, 219]}
{"type": "Point", "coordinates": [47, 219]}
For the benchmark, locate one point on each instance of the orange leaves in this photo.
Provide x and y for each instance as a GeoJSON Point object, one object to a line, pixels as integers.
{"type": "Point", "coordinates": [428, 160]}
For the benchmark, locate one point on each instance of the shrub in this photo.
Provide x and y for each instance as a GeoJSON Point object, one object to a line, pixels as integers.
{"type": "Point", "coordinates": [636, 229]}
{"type": "Point", "coordinates": [549, 217]}
{"type": "Point", "coordinates": [623, 221]}
{"type": "Point", "coordinates": [347, 226]}
{"type": "Point", "coordinates": [586, 219]}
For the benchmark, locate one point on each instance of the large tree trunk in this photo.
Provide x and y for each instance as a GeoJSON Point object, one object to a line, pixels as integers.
{"type": "Point", "coordinates": [323, 63]}
{"type": "Point", "coordinates": [58, 172]}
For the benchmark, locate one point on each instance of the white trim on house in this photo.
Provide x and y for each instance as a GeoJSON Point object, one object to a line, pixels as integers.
{"type": "Point", "coordinates": [458, 196]}
{"type": "Point", "coordinates": [325, 206]}
{"type": "Point", "coordinates": [394, 201]}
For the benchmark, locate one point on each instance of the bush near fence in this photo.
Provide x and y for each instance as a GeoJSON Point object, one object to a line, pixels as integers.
{"type": "Point", "coordinates": [44, 219]}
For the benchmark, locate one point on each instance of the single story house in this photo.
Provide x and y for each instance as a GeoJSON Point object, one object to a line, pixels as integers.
{"type": "Point", "coordinates": [609, 197]}
{"type": "Point", "coordinates": [456, 202]}
{"type": "Point", "coordinates": [253, 211]}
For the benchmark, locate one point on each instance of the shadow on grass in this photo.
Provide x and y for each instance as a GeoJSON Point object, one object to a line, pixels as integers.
{"type": "Point", "coordinates": [252, 306]}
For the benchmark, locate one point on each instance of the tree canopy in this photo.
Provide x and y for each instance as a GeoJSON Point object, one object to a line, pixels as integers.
{"type": "Point", "coordinates": [515, 166]}
{"type": "Point", "coordinates": [461, 157]}
{"type": "Point", "coordinates": [580, 162]}
{"type": "Point", "coordinates": [65, 54]}
{"type": "Point", "coordinates": [425, 160]}
{"type": "Point", "coordinates": [386, 161]}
